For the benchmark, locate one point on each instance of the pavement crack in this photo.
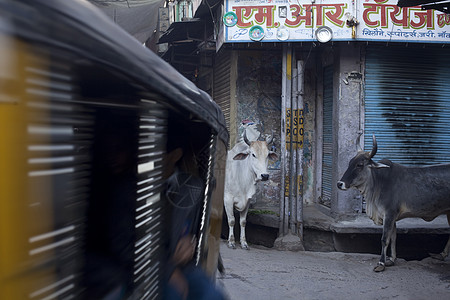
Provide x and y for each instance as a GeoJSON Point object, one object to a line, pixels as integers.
{"type": "Point", "coordinates": [234, 276]}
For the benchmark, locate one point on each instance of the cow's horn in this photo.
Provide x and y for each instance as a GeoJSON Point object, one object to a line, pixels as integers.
{"type": "Point", "coordinates": [245, 138]}
{"type": "Point", "coordinates": [271, 139]}
{"type": "Point", "coordinates": [374, 147]}
{"type": "Point", "coordinates": [358, 142]}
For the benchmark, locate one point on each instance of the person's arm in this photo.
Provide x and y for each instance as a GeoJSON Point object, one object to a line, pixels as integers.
{"type": "Point", "coordinates": [184, 251]}
{"type": "Point", "coordinates": [183, 254]}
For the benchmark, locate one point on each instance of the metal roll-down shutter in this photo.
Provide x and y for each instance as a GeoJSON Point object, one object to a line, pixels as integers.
{"type": "Point", "coordinates": [407, 103]}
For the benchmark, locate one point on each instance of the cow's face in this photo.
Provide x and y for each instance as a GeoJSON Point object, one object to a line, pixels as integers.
{"type": "Point", "coordinates": [357, 172]}
{"type": "Point", "coordinates": [359, 169]}
{"type": "Point", "coordinates": [258, 155]}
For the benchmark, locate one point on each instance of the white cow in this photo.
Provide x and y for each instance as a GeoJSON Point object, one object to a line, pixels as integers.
{"type": "Point", "coordinates": [246, 166]}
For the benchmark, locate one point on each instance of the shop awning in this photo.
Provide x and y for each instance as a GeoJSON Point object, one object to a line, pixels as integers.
{"type": "Point", "coordinates": [184, 31]}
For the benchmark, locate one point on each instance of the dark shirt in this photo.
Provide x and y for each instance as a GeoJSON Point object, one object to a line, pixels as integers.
{"type": "Point", "coordinates": [184, 193]}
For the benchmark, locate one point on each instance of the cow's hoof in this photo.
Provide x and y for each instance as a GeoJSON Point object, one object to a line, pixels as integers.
{"type": "Point", "coordinates": [231, 245]}
{"type": "Point", "coordinates": [390, 262]}
{"type": "Point", "coordinates": [245, 246]}
{"type": "Point", "coordinates": [379, 268]}
{"type": "Point", "coordinates": [437, 256]}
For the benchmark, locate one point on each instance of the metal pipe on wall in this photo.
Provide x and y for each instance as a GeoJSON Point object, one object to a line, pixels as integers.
{"type": "Point", "coordinates": [285, 138]}
{"type": "Point", "coordinates": [291, 204]}
{"type": "Point", "coordinates": [300, 83]}
{"type": "Point", "coordinates": [293, 153]}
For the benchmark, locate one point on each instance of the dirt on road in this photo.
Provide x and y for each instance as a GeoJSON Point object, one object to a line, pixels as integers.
{"type": "Point", "coordinates": [265, 274]}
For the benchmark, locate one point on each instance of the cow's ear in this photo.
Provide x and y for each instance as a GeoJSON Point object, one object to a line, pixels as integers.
{"type": "Point", "coordinates": [240, 156]}
{"type": "Point", "coordinates": [273, 155]}
{"type": "Point", "coordinates": [376, 165]}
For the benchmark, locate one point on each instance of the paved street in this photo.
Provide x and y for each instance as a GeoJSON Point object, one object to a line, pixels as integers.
{"type": "Point", "coordinates": [265, 274]}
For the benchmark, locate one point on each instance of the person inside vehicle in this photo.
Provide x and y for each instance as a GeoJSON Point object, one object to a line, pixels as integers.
{"type": "Point", "coordinates": [184, 194]}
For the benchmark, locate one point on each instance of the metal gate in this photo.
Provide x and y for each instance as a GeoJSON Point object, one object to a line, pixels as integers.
{"type": "Point", "coordinates": [407, 104]}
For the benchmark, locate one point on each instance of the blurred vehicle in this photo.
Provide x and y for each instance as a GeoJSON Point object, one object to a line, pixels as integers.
{"type": "Point", "coordinates": [75, 92]}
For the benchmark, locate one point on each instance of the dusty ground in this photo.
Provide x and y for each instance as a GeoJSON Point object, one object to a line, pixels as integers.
{"type": "Point", "coordinates": [264, 273]}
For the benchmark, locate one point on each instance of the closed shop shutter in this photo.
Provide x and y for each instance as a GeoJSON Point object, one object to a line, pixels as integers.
{"type": "Point", "coordinates": [327, 160]}
{"type": "Point", "coordinates": [221, 81]}
{"type": "Point", "coordinates": [407, 103]}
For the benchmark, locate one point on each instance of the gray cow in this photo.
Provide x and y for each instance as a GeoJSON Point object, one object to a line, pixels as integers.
{"type": "Point", "coordinates": [394, 192]}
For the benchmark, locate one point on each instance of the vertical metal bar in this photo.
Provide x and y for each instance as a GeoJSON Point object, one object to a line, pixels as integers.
{"type": "Point", "coordinates": [293, 153]}
{"type": "Point", "coordinates": [300, 122]}
{"type": "Point", "coordinates": [285, 138]}
{"type": "Point", "coordinates": [288, 199]}
{"type": "Point", "coordinates": [205, 217]}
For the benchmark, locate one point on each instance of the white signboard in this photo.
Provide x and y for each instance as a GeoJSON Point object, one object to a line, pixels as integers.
{"type": "Point", "coordinates": [292, 20]}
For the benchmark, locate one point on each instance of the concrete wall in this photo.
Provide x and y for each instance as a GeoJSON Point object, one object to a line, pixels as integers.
{"type": "Point", "coordinates": [346, 117]}
{"type": "Point", "coordinates": [258, 98]}
{"type": "Point", "coordinates": [309, 133]}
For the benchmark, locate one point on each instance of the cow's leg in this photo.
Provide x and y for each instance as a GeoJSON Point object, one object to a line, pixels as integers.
{"type": "Point", "coordinates": [390, 261]}
{"type": "Point", "coordinates": [229, 206]}
{"type": "Point", "coordinates": [243, 222]}
{"type": "Point", "coordinates": [443, 254]}
{"type": "Point", "coordinates": [389, 223]}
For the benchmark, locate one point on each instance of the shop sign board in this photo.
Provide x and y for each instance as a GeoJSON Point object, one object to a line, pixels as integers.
{"type": "Point", "coordinates": [298, 20]}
